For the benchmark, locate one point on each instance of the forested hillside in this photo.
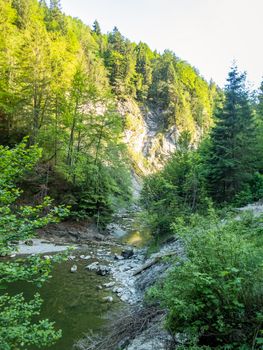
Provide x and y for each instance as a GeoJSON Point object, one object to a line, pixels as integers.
{"type": "Point", "coordinates": [88, 120]}
{"type": "Point", "coordinates": [81, 95]}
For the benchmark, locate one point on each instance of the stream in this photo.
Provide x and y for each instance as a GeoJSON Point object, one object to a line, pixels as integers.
{"type": "Point", "coordinates": [78, 302]}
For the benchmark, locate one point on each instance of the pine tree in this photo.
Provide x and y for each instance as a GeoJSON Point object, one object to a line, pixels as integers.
{"type": "Point", "coordinates": [259, 111]}
{"type": "Point", "coordinates": [231, 162]}
{"type": "Point", "coordinates": [260, 101]}
{"type": "Point", "coordinates": [96, 28]}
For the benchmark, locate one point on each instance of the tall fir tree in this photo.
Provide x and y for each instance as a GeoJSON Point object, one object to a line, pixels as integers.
{"type": "Point", "coordinates": [231, 163]}
{"type": "Point", "coordinates": [96, 27]}
{"type": "Point", "coordinates": [259, 111]}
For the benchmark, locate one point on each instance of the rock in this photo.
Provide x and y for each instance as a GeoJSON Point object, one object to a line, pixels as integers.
{"type": "Point", "coordinates": [117, 290]}
{"type": "Point", "coordinates": [85, 257]}
{"type": "Point", "coordinates": [102, 270]}
{"type": "Point", "coordinates": [29, 242]}
{"type": "Point", "coordinates": [127, 253]}
{"type": "Point", "coordinates": [47, 257]}
{"type": "Point", "coordinates": [99, 287]}
{"type": "Point", "coordinates": [126, 268]}
{"type": "Point", "coordinates": [124, 298]}
{"type": "Point", "coordinates": [108, 299]}
{"type": "Point", "coordinates": [109, 285]}
{"type": "Point", "coordinates": [73, 268]}
{"type": "Point", "coordinates": [118, 257]}
{"type": "Point", "coordinates": [71, 257]}
{"type": "Point", "coordinates": [93, 267]}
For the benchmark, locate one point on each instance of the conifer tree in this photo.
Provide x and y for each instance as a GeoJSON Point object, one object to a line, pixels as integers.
{"type": "Point", "coordinates": [231, 162]}
{"type": "Point", "coordinates": [96, 28]}
{"type": "Point", "coordinates": [259, 111]}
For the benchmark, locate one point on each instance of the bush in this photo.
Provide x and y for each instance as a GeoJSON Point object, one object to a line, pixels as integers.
{"type": "Point", "coordinates": [215, 296]}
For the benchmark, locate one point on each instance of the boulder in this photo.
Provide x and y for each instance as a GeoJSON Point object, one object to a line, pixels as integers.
{"type": "Point", "coordinates": [118, 257]}
{"type": "Point", "coordinates": [108, 299]}
{"type": "Point", "coordinates": [127, 253]}
{"type": "Point", "coordinates": [73, 268]}
{"type": "Point", "coordinates": [109, 285]}
{"type": "Point", "coordinates": [101, 270]}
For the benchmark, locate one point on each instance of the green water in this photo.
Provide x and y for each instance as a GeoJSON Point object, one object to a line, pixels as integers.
{"type": "Point", "coordinates": [72, 300]}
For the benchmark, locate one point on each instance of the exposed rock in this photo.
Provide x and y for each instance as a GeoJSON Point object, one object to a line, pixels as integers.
{"type": "Point", "coordinates": [29, 242]}
{"type": "Point", "coordinates": [158, 339]}
{"type": "Point", "coordinates": [85, 257]}
{"type": "Point", "coordinates": [108, 299]}
{"type": "Point", "coordinates": [150, 143]}
{"type": "Point", "coordinates": [47, 257]}
{"type": "Point", "coordinates": [75, 232]}
{"type": "Point", "coordinates": [127, 253]}
{"type": "Point", "coordinates": [255, 208]}
{"type": "Point", "coordinates": [102, 270]}
{"type": "Point", "coordinates": [109, 284]}
{"type": "Point", "coordinates": [115, 230]}
{"type": "Point", "coordinates": [118, 257]}
{"type": "Point", "coordinates": [74, 268]}
{"type": "Point", "coordinates": [71, 257]}
{"type": "Point", "coordinates": [93, 267]}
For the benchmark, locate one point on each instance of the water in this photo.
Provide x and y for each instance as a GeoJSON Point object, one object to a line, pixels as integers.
{"type": "Point", "coordinates": [72, 300]}
{"type": "Point", "coordinates": [137, 238]}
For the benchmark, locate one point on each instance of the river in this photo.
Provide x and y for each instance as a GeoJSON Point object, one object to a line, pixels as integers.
{"type": "Point", "coordinates": [74, 301]}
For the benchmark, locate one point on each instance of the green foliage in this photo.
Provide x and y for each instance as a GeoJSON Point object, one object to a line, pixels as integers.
{"type": "Point", "coordinates": [17, 331]}
{"type": "Point", "coordinates": [19, 222]}
{"type": "Point", "coordinates": [259, 124]}
{"type": "Point", "coordinates": [59, 81]}
{"type": "Point", "coordinates": [214, 296]}
{"type": "Point", "coordinates": [177, 191]}
{"type": "Point", "coordinates": [232, 158]}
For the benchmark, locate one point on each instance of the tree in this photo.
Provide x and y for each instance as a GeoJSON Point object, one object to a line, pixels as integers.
{"type": "Point", "coordinates": [17, 331]}
{"type": "Point", "coordinates": [96, 28]}
{"type": "Point", "coordinates": [259, 111]}
{"type": "Point", "coordinates": [230, 162]}
{"type": "Point", "coordinates": [176, 191]}
{"type": "Point", "coordinates": [143, 70]}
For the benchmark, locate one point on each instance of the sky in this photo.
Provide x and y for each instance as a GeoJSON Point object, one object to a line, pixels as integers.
{"type": "Point", "coordinates": [209, 34]}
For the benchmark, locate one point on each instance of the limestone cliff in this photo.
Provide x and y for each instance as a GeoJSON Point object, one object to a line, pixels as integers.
{"type": "Point", "coordinates": [149, 143]}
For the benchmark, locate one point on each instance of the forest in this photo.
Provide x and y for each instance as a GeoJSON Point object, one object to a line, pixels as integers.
{"type": "Point", "coordinates": [64, 157]}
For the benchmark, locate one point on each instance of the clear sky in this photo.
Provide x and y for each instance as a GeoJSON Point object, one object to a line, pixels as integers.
{"type": "Point", "coordinates": [209, 34]}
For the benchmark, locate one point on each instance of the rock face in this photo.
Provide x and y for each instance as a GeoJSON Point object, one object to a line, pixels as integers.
{"type": "Point", "coordinates": [149, 143]}
{"type": "Point", "coordinates": [71, 232]}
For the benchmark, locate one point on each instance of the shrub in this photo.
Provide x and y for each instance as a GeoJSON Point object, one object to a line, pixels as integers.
{"type": "Point", "coordinates": [215, 296]}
